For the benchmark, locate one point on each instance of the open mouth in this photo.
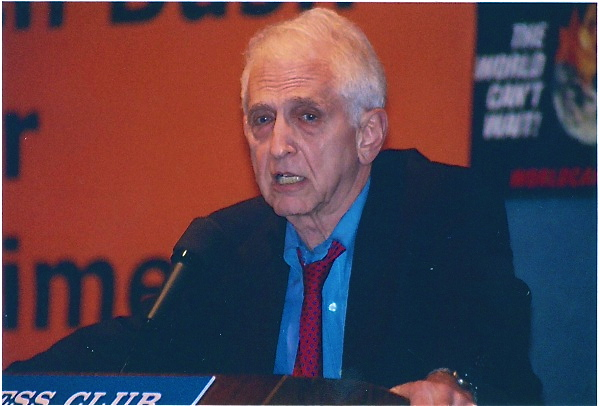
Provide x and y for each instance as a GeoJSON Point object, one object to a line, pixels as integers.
{"type": "Point", "coordinates": [287, 179]}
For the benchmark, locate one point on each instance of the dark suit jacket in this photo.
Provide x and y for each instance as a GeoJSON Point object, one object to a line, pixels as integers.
{"type": "Point", "coordinates": [432, 286]}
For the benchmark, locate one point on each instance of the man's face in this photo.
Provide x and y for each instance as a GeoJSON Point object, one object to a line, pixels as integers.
{"type": "Point", "coordinates": [302, 145]}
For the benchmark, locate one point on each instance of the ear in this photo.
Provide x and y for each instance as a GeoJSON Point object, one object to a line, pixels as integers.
{"type": "Point", "coordinates": [371, 135]}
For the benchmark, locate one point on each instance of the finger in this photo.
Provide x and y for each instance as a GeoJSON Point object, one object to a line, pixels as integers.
{"type": "Point", "coordinates": [432, 393]}
{"type": "Point", "coordinates": [460, 399]}
{"type": "Point", "coordinates": [416, 392]}
{"type": "Point", "coordinates": [403, 390]}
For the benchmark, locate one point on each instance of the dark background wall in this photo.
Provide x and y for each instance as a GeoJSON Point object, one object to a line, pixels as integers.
{"type": "Point", "coordinates": [555, 252]}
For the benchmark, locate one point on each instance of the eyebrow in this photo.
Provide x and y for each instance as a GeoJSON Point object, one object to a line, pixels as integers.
{"type": "Point", "coordinates": [259, 106]}
{"type": "Point", "coordinates": [305, 101]}
{"type": "Point", "coordinates": [294, 101]}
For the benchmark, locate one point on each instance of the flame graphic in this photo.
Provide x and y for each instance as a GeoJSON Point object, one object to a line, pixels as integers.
{"type": "Point", "coordinates": [577, 44]}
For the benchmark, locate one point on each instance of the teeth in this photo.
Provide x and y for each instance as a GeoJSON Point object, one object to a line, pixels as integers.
{"type": "Point", "coordinates": [288, 179]}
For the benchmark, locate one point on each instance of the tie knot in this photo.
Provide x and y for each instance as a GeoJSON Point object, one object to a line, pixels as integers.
{"type": "Point", "coordinates": [315, 273]}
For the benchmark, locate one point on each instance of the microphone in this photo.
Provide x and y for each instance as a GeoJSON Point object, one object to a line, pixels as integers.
{"type": "Point", "coordinates": [202, 236]}
{"type": "Point", "coordinates": [200, 239]}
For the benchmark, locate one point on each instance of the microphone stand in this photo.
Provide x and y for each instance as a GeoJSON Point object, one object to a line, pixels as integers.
{"type": "Point", "coordinates": [181, 258]}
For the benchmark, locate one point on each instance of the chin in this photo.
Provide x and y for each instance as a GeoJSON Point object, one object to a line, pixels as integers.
{"type": "Point", "coordinates": [284, 211]}
{"type": "Point", "coordinates": [289, 210]}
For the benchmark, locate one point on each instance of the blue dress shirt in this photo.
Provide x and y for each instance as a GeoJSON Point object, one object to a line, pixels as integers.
{"type": "Point", "coordinates": [335, 293]}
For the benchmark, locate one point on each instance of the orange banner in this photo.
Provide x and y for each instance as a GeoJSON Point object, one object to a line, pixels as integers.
{"type": "Point", "coordinates": [122, 123]}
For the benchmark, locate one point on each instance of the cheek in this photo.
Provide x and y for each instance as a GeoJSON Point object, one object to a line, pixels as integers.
{"type": "Point", "coordinates": [341, 164]}
{"type": "Point", "coordinates": [259, 159]}
{"type": "Point", "coordinates": [338, 154]}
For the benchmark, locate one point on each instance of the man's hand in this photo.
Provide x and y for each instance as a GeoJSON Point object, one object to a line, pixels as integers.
{"type": "Point", "coordinates": [439, 388]}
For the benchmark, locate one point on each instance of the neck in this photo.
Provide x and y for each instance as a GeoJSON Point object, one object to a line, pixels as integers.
{"type": "Point", "coordinates": [312, 230]}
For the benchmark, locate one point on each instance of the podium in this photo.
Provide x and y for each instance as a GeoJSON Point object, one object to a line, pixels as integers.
{"type": "Point", "coordinates": [132, 389]}
{"type": "Point", "coordinates": [281, 390]}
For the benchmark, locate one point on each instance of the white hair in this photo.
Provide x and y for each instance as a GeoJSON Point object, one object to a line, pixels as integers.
{"type": "Point", "coordinates": [357, 71]}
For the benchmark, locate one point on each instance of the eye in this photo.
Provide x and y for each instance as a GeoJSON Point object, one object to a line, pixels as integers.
{"type": "Point", "coordinates": [260, 119]}
{"type": "Point", "coordinates": [309, 117]}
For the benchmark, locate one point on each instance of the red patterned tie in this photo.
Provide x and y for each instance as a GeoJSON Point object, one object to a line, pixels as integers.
{"type": "Point", "coordinates": [309, 359]}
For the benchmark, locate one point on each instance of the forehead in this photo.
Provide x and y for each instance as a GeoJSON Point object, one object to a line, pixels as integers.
{"type": "Point", "coordinates": [275, 79]}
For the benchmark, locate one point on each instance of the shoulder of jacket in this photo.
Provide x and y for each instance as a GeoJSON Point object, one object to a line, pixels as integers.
{"type": "Point", "coordinates": [243, 218]}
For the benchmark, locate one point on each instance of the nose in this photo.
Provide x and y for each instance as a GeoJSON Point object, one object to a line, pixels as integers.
{"type": "Point", "coordinates": [282, 139]}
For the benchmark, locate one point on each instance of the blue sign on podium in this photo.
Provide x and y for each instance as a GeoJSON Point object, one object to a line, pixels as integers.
{"type": "Point", "coordinates": [103, 389]}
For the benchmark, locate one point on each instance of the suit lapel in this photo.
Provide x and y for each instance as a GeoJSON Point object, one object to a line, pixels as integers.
{"type": "Point", "coordinates": [381, 261]}
{"type": "Point", "coordinates": [265, 275]}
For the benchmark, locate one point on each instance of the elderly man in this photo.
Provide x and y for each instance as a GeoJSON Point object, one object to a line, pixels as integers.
{"type": "Point", "coordinates": [416, 290]}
